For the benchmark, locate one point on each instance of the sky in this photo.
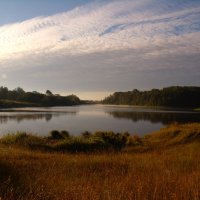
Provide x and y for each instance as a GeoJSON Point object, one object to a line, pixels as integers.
{"type": "Point", "coordinates": [94, 48]}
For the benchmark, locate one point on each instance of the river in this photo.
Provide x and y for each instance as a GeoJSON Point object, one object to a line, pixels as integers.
{"type": "Point", "coordinates": [76, 119]}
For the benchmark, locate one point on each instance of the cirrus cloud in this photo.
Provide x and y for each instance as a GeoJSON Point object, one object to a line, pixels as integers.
{"type": "Point", "coordinates": [111, 38]}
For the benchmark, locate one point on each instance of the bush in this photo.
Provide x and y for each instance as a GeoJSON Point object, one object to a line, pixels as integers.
{"type": "Point", "coordinates": [86, 134]}
{"type": "Point", "coordinates": [62, 141]}
{"type": "Point", "coordinates": [134, 140]}
{"type": "Point", "coordinates": [24, 140]}
{"type": "Point", "coordinates": [116, 140]}
{"type": "Point", "coordinates": [56, 135]}
{"type": "Point", "coordinates": [78, 144]}
{"type": "Point", "coordinates": [65, 134]}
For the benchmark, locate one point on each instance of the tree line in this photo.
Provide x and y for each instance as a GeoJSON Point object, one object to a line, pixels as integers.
{"type": "Point", "coordinates": [36, 98]}
{"type": "Point", "coordinates": [175, 96]}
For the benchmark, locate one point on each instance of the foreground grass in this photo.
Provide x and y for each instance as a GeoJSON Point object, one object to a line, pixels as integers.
{"type": "Point", "coordinates": [166, 165]}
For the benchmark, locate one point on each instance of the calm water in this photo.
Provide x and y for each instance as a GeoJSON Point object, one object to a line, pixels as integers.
{"type": "Point", "coordinates": [77, 119]}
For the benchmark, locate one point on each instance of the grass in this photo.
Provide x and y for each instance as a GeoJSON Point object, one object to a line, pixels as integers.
{"type": "Point", "coordinates": [63, 142]}
{"type": "Point", "coordinates": [163, 165]}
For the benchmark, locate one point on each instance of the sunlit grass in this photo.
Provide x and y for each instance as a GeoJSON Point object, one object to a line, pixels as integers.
{"type": "Point", "coordinates": [170, 171]}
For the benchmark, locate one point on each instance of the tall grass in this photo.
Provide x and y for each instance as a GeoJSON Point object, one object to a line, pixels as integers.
{"type": "Point", "coordinates": [172, 172]}
{"type": "Point", "coordinates": [62, 141]}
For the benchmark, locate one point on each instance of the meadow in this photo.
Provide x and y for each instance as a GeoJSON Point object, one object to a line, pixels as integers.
{"type": "Point", "coordinates": [161, 165]}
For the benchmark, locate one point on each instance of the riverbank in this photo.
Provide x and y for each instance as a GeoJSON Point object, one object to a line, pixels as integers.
{"type": "Point", "coordinates": [16, 104]}
{"type": "Point", "coordinates": [104, 141]}
{"type": "Point", "coordinates": [5, 104]}
{"type": "Point", "coordinates": [163, 165]}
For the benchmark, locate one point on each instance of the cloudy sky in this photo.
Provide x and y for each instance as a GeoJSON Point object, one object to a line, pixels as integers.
{"type": "Point", "coordinates": [93, 48]}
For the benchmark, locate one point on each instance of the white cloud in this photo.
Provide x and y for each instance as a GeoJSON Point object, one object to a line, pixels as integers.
{"type": "Point", "coordinates": [104, 46]}
{"type": "Point", "coordinates": [96, 27]}
{"type": "Point", "coordinates": [3, 76]}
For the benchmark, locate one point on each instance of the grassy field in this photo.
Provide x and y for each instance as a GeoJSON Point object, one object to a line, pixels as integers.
{"type": "Point", "coordinates": [163, 165]}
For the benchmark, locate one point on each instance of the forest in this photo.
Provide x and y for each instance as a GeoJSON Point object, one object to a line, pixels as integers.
{"type": "Point", "coordinates": [175, 96]}
{"type": "Point", "coordinates": [18, 97]}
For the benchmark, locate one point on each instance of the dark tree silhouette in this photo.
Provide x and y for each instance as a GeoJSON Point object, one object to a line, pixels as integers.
{"type": "Point", "coordinates": [10, 98]}
{"type": "Point", "coordinates": [175, 96]}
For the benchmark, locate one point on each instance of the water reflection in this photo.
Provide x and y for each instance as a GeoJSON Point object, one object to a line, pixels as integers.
{"type": "Point", "coordinates": [77, 119]}
{"type": "Point", "coordinates": [6, 117]}
{"type": "Point", "coordinates": [158, 117]}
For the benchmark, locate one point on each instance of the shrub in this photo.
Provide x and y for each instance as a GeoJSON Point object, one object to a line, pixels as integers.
{"type": "Point", "coordinates": [56, 135]}
{"type": "Point", "coordinates": [78, 144]}
{"type": "Point", "coordinates": [134, 140]}
{"type": "Point", "coordinates": [86, 134]}
{"type": "Point", "coordinates": [24, 140]}
{"type": "Point", "coordinates": [116, 140]}
{"type": "Point", "coordinates": [65, 134]}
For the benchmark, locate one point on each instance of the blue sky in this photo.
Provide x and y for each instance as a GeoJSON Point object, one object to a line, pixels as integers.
{"type": "Point", "coordinates": [19, 10]}
{"type": "Point", "coordinates": [93, 48]}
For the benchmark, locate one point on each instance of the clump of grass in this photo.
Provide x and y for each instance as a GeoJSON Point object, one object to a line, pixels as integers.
{"type": "Point", "coordinates": [116, 140]}
{"type": "Point", "coordinates": [79, 144]}
{"type": "Point", "coordinates": [22, 139]}
{"type": "Point", "coordinates": [134, 140]}
{"type": "Point", "coordinates": [88, 142]}
{"type": "Point", "coordinates": [56, 135]}
{"type": "Point", "coordinates": [65, 134]}
{"type": "Point", "coordinates": [86, 134]}
{"type": "Point", "coordinates": [59, 135]}
{"type": "Point", "coordinates": [62, 141]}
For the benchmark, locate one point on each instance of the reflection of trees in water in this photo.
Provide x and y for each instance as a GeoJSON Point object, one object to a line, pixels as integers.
{"type": "Point", "coordinates": [157, 117]}
{"type": "Point", "coordinates": [48, 117]}
{"type": "Point", "coordinates": [39, 116]}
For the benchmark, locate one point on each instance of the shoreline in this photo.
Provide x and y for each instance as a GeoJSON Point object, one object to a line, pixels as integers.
{"type": "Point", "coordinates": [104, 141]}
{"type": "Point", "coordinates": [32, 105]}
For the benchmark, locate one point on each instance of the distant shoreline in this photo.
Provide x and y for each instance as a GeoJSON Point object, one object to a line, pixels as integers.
{"type": "Point", "coordinates": [22, 105]}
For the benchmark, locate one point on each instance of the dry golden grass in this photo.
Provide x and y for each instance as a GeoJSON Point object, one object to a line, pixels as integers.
{"type": "Point", "coordinates": [162, 173]}
{"type": "Point", "coordinates": [175, 134]}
